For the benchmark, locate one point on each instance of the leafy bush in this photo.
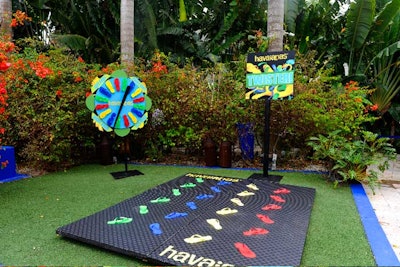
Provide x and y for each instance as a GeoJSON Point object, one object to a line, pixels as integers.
{"type": "Point", "coordinates": [47, 121]}
{"type": "Point", "coordinates": [194, 103]}
{"type": "Point", "coordinates": [349, 158]}
{"type": "Point", "coordinates": [321, 105]}
{"type": "Point", "coordinates": [50, 125]}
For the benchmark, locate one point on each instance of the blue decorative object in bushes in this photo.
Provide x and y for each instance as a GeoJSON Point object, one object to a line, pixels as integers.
{"type": "Point", "coordinates": [246, 140]}
{"type": "Point", "coordinates": [9, 173]}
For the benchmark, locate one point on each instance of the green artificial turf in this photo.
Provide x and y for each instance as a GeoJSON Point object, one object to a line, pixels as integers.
{"type": "Point", "coordinates": [32, 209]}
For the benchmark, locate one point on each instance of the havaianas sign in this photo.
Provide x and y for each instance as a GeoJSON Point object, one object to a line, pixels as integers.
{"type": "Point", "coordinates": [270, 75]}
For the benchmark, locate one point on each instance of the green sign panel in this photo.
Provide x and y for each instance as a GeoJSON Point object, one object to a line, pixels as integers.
{"type": "Point", "coordinates": [270, 75]}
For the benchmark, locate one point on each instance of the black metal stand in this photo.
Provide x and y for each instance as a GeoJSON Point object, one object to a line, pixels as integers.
{"type": "Point", "coordinates": [126, 173]}
{"type": "Point", "coordinates": [265, 175]}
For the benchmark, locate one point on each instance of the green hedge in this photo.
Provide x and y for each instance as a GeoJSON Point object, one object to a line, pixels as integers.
{"type": "Point", "coordinates": [50, 126]}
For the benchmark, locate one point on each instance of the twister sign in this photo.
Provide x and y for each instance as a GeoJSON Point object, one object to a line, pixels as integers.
{"type": "Point", "coordinates": [270, 75]}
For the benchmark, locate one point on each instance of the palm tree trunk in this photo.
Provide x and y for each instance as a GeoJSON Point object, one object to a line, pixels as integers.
{"type": "Point", "coordinates": [5, 17]}
{"type": "Point", "coordinates": [127, 32]}
{"type": "Point", "coordinates": [276, 11]}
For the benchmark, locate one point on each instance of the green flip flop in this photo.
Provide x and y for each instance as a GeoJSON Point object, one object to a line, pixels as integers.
{"type": "Point", "coordinates": [143, 209]}
{"type": "Point", "coordinates": [188, 185]}
{"type": "Point", "coordinates": [160, 200]}
{"type": "Point", "coordinates": [120, 220]}
{"type": "Point", "coordinates": [176, 192]}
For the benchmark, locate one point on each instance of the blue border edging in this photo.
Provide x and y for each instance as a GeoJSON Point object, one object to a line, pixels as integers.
{"type": "Point", "coordinates": [15, 178]}
{"type": "Point", "coordinates": [380, 246]}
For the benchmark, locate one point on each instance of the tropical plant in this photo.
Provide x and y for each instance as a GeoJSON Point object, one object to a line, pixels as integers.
{"type": "Point", "coordinates": [348, 159]}
{"type": "Point", "coordinates": [88, 27]}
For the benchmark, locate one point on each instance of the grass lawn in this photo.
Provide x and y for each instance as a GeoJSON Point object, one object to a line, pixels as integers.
{"type": "Point", "coordinates": [32, 209]}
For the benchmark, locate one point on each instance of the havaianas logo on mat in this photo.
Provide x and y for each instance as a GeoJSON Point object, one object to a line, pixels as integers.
{"type": "Point", "coordinates": [187, 258]}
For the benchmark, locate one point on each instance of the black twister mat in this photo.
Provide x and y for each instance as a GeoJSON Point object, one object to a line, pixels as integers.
{"type": "Point", "coordinates": [280, 213]}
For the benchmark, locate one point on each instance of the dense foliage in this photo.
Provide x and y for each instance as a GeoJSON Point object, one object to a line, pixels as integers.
{"type": "Point", "coordinates": [191, 56]}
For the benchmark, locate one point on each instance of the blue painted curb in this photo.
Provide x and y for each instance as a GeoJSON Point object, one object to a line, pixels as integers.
{"type": "Point", "coordinates": [15, 178]}
{"type": "Point", "coordinates": [380, 246]}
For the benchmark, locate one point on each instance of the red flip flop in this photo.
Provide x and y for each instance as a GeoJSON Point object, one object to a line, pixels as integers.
{"type": "Point", "coordinates": [278, 198]}
{"type": "Point", "coordinates": [271, 207]}
{"type": "Point", "coordinates": [245, 250]}
{"type": "Point", "coordinates": [282, 191]}
{"type": "Point", "coordinates": [255, 231]}
{"type": "Point", "coordinates": [265, 219]}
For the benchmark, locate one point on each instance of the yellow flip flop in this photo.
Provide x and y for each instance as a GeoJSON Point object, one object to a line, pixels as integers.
{"type": "Point", "coordinates": [226, 211]}
{"type": "Point", "coordinates": [252, 186]}
{"type": "Point", "coordinates": [245, 194]}
{"type": "Point", "coordinates": [214, 223]}
{"type": "Point", "coordinates": [237, 201]}
{"type": "Point", "coordinates": [196, 238]}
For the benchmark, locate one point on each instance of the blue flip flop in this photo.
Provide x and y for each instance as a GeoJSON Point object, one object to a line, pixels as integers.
{"type": "Point", "coordinates": [215, 189]}
{"type": "Point", "coordinates": [175, 215]}
{"type": "Point", "coordinates": [204, 196]}
{"type": "Point", "coordinates": [191, 205]}
{"type": "Point", "coordinates": [224, 183]}
{"type": "Point", "coordinates": [155, 228]}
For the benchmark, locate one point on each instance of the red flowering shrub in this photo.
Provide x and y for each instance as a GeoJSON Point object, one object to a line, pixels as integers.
{"type": "Point", "coordinates": [47, 119]}
{"type": "Point", "coordinates": [6, 47]}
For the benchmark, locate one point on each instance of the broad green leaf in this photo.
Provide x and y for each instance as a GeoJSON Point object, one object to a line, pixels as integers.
{"type": "Point", "coordinates": [291, 13]}
{"type": "Point", "coordinates": [359, 22]}
{"type": "Point", "coordinates": [73, 41]}
{"type": "Point", "coordinates": [386, 16]}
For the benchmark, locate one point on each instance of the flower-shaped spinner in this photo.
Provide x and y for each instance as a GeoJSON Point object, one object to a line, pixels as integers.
{"type": "Point", "coordinates": [118, 103]}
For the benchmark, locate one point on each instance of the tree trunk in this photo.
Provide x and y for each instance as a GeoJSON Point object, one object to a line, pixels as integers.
{"type": "Point", "coordinates": [127, 32]}
{"type": "Point", "coordinates": [5, 17]}
{"type": "Point", "coordinates": [276, 11]}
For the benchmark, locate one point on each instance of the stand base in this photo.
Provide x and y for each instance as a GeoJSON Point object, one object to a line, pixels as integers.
{"type": "Point", "coordinates": [124, 174]}
{"type": "Point", "coordinates": [269, 178]}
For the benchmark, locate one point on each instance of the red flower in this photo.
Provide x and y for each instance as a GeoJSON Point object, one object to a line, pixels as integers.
{"type": "Point", "coordinates": [78, 79]}
{"type": "Point", "coordinates": [40, 70]}
{"type": "Point", "coordinates": [80, 59]}
{"type": "Point", "coordinates": [374, 107]}
{"type": "Point", "coordinates": [14, 23]}
{"type": "Point", "coordinates": [4, 66]}
{"type": "Point", "coordinates": [158, 67]}
{"type": "Point", "coordinates": [58, 93]}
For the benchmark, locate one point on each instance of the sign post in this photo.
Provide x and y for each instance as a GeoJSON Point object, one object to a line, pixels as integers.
{"type": "Point", "coordinates": [270, 76]}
